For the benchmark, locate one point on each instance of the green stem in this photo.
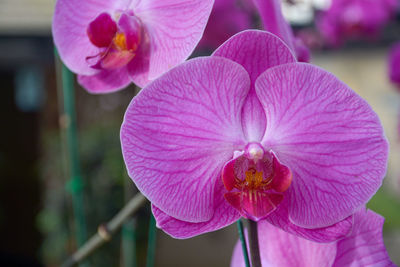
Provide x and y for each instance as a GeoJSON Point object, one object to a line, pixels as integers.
{"type": "Point", "coordinates": [129, 243]}
{"type": "Point", "coordinates": [151, 247]}
{"type": "Point", "coordinates": [243, 242]}
{"type": "Point", "coordinates": [68, 122]}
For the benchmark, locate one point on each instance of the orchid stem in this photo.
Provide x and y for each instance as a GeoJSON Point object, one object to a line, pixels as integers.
{"type": "Point", "coordinates": [151, 247]}
{"type": "Point", "coordinates": [66, 81]}
{"type": "Point", "coordinates": [243, 242]}
{"type": "Point", "coordinates": [253, 243]}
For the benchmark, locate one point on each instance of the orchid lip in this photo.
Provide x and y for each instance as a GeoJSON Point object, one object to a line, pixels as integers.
{"type": "Point", "coordinates": [255, 182]}
{"type": "Point", "coordinates": [118, 41]}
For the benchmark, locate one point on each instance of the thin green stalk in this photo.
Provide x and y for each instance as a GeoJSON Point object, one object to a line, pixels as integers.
{"type": "Point", "coordinates": [243, 242]}
{"type": "Point", "coordinates": [68, 122]}
{"type": "Point", "coordinates": [129, 243]}
{"type": "Point", "coordinates": [151, 247]}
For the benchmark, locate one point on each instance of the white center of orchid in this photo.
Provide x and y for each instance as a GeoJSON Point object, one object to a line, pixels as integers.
{"type": "Point", "coordinates": [255, 151]}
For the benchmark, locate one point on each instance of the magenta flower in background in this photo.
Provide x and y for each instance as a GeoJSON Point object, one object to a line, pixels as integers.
{"type": "Point", "coordinates": [363, 247]}
{"type": "Point", "coordinates": [250, 132]}
{"type": "Point", "coordinates": [354, 18]}
{"type": "Point", "coordinates": [227, 18]}
{"type": "Point", "coordinates": [112, 43]}
{"type": "Point", "coordinates": [394, 64]}
{"type": "Point", "coordinates": [273, 21]}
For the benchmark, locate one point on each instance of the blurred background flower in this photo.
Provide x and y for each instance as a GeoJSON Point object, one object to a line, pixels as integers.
{"type": "Point", "coordinates": [349, 19]}
{"type": "Point", "coordinates": [227, 18]}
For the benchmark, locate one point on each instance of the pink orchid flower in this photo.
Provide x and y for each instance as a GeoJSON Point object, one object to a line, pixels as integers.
{"type": "Point", "coordinates": [394, 64]}
{"type": "Point", "coordinates": [250, 132]}
{"type": "Point", "coordinates": [354, 18]}
{"type": "Point", "coordinates": [273, 21]}
{"type": "Point", "coordinates": [363, 247]}
{"type": "Point", "coordinates": [112, 43]}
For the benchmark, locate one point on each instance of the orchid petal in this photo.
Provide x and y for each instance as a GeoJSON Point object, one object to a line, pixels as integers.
{"type": "Point", "coordinates": [174, 28]}
{"type": "Point", "coordinates": [224, 215]}
{"type": "Point", "coordinates": [274, 22]}
{"type": "Point", "coordinates": [179, 131]}
{"type": "Point", "coordinates": [364, 247]}
{"type": "Point", "coordinates": [71, 19]}
{"type": "Point", "coordinates": [138, 68]}
{"type": "Point", "coordinates": [280, 219]}
{"type": "Point", "coordinates": [256, 51]}
{"type": "Point", "coordinates": [105, 81]}
{"type": "Point", "coordinates": [278, 248]}
{"type": "Point", "coordinates": [283, 249]}
{"type": "Point", "coordinates": [328, 136]}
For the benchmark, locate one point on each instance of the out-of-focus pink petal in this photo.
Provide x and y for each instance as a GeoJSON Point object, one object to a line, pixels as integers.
{"type": "Point", "coordinates": [180, 130]}
{"type": "Point", "coordinates": [394, 64]}
{"type": "Point", "coordinates": [302, 51]}
{"type": "Point", "coordinates": [70, 21]}
{"type": "Point", "coordinates": [280, 219]}
{"type": "Point", "coordinates": [224, 215]}
{"type": "Point", "coordinates": [106, 81]}
{"type": "Point", "coordinates": [227, 18]}
{"type": "Point", "coordinates": [256, 51]}
{"type": "Point", "coordinates": [278, 248]}
{"type": "Point", "coordinates": [364, 247]}
{"type": "Point", "coordinates": [138, 68]}
{"type": "Point", "coordinates": [273, 20]}
{"type": "Point", "coordinates": [174, 27]}
{"type": "Point", "coordinates": [328, 136]}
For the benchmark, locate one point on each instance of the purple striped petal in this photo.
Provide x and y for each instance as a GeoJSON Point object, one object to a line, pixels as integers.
{"type": "Point", "coordinates": [256, 51]}
{"type": "Point", "coordinates": [180, 130]}
{"type": "Point", "coordinates": [174, 28]}
{"type": "Point", "coordinates": [70, 22]}
{"type": "Point", "coordinates": [339, 230]}
{"type": "Point", "coordinates": [364, 247]}
{"type": "Point", "coordinates": [328, 136]}
{"type": "Point", "coordinates": [224, 215]}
